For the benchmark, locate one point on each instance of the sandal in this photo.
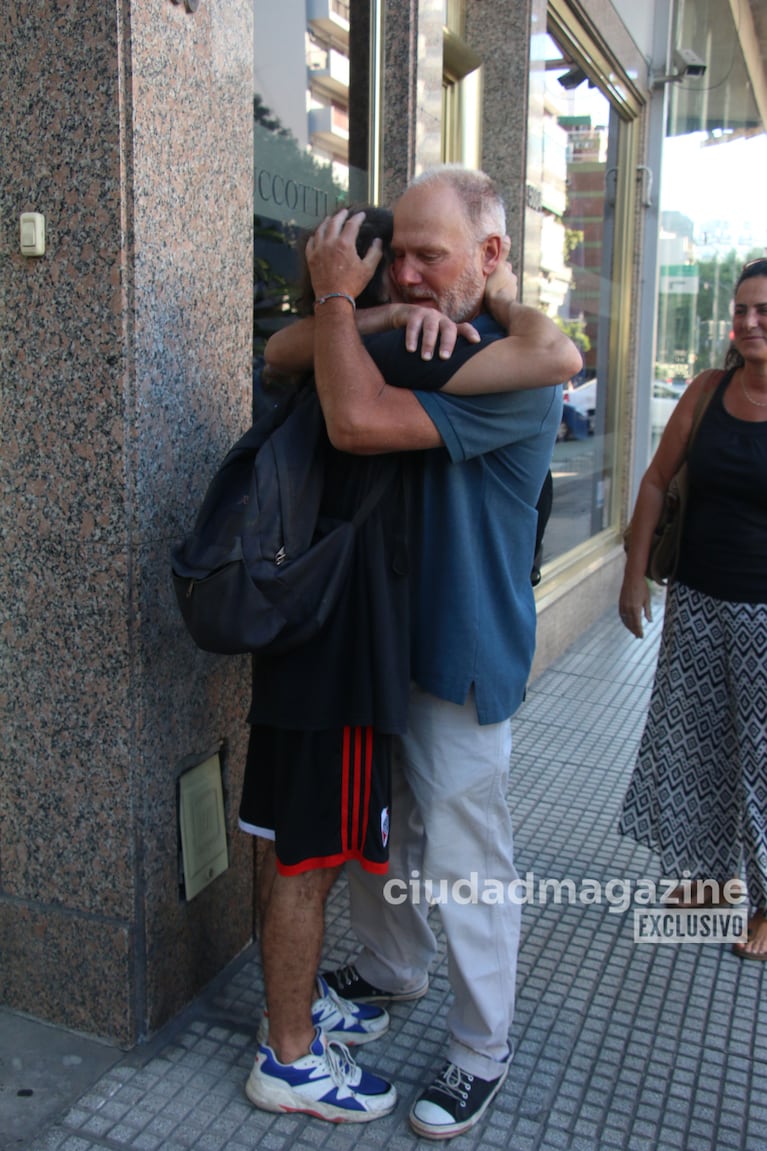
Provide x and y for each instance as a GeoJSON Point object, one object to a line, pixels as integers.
{"type": "Point", "coordinates": [754, 924]}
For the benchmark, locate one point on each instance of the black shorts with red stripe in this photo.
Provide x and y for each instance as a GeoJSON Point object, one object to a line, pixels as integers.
{"type": "Point", "coordinates": [323, 796]}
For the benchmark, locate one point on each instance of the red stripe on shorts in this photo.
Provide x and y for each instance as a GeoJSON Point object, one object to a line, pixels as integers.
{"type": "Point", "coordinates": [345, 790]}
{"type": "Point", "coordinates": [366, 790]}
{"type": "Point", "coordinates": [356, 777]}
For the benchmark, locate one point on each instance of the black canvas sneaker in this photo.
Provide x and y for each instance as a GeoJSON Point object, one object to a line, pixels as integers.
{"type": "Point", "coordinates": [349, 984]}
{"type": "Point", "coordinates": [454, 1102]}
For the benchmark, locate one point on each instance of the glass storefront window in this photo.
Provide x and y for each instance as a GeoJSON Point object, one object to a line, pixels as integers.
{"type": "Point", "coordinates": [711, 202]}
{"type": "Point", "coordinates": [311, 133]}
{"type": "Point", "coordinates": [568, 272]}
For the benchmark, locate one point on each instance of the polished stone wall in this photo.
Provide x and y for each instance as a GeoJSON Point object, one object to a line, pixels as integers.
{"type": "Point", "coordinates": [412, 103]}
{"type": "Point", "coordinates": [125, 373]}
{"type": "Point", "coordinates": [500, 34]}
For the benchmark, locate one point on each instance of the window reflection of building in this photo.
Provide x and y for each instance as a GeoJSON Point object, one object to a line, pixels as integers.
{"type": "Point", "coordinates": [571, 233]}
{"type": "Point", "coordinates": [311, 112]}
{"type": "Point", "coordinates": [327, 98]}
{"type": "Point", "coordinates": [708, 119]}
{"type": "Point", "coordinates": [677, 290]}
{"type": "Point", "coordinates": [586, 172]}
{"type": "Point", "coordinates": [556, 276]}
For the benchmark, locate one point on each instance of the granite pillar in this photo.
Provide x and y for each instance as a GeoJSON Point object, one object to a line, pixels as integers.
{"type": "Point", "coordinates": [500, 35]}
{"type": "Point", "coordinates": [412, 98]}
{"type": "Point", "coordinates": [125, 356]}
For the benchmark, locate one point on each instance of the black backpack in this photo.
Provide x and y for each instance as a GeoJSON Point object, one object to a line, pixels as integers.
{"type": "Point", "coordinates": [262, 570]}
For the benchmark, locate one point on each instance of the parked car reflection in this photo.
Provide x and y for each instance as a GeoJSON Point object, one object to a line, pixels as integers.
{"type": "Point", "coordinates": [579, 404]}
{"type": "Point", "coordinates": [665, 397]}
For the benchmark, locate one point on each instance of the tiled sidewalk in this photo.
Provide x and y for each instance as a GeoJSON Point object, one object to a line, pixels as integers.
{"type": "Point", "coordinates": [619, 1046]}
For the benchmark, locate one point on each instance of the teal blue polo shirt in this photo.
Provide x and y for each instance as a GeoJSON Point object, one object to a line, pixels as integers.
{"type": "Point", "coordinates": [473, 534]}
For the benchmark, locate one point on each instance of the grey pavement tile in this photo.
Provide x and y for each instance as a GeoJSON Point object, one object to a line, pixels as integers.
{"type": "Point", "coordinates": [618, 1046]}
{"type": "Point", "coordinates": [553, 1140]}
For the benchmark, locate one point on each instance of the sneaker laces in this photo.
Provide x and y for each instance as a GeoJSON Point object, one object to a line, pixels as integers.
{"type": "Point", "coordinates": [344, 1007]}
{"type": "Point", "coordinates": [343, 1070]}
{"type": "Point", "coordinates": [453, 1082]}
{"type": "Point", "coordinates": [348, 975]}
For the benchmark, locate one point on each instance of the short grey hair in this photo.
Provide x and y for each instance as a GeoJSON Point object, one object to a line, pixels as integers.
{"type": "Point", "coordinates": [481, 200]}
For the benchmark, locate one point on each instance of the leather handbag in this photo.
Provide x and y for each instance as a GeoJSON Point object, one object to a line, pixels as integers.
{"type": "Point", "coordinates": [663, 555]}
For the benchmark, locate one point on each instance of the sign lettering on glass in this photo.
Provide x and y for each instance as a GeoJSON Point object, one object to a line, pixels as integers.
{"type": "Point", "coordinates": [290, 184]}
{"type": "Point", "coordinates": [286, 198]}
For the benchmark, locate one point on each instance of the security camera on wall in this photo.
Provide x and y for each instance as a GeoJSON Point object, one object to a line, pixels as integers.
{"type": "Point", "coordinates": [687, 63]}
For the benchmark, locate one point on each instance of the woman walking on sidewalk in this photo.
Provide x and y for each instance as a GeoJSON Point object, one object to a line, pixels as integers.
{"type": "Point", "coordinates": [698, 795]}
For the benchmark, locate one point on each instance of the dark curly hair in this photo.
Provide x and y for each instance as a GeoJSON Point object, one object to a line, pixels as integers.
{"type": "Point", "coordinates": [378, 224]}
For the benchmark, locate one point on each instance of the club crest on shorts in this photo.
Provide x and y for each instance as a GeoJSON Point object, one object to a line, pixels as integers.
{"type": "Point", "coordinates": [385, 826]}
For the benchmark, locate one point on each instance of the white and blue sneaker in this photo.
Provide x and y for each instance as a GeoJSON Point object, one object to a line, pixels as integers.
{"type": "Point", "coordinates": [326, 1083]}
{"type": "Point", "coordinates": [340, 1019]}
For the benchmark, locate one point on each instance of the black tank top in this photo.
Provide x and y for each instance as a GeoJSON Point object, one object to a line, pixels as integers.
{"type": "Point", "coordinates": [724, 539]}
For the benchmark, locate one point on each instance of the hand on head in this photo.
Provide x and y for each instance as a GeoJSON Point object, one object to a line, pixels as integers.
{"type": "Point", "coordinates": [331, 255]}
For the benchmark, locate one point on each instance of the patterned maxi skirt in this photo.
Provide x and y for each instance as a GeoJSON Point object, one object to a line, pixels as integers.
{"type": "Point", "coordinates": [698, 794]}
